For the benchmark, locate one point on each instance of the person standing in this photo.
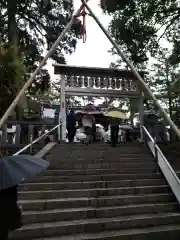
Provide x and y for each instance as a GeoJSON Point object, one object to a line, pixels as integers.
{"type": "Point", "coordinates": [10, 213]}
{"type": "Point", "coordinates": [94, 131]}
{"type": "Point", "coordinates": [114, 132]}
{"type": "Point", "coordinates": [87, 122]}
{"type": "Point", "coordinates": [71, 126]}
{"type": "Point", "coordinates": [128, 136]}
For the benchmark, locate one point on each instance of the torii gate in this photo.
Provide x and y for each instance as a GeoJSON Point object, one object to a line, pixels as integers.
{"type": "Point", "coordinates": [140, 80]}
{"type": "Point", "coordinates": [96, 82]}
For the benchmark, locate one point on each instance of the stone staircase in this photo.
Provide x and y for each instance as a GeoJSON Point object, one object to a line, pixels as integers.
{"type": "Point", "coordinates": [97, 192]}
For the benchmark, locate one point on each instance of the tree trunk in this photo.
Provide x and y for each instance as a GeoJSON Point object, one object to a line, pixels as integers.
{"type": "Point", "coordinates": [170, 107]}
{"type": "Point", "coordinates": [12, 26]}
{"type": "Point", "coordinates": [13, 36]}
{"type": "Point", "coordinates": [169, 97]}
{"type": "Point", "coordinates": [131, 112]}
{"type": "Point", "coordinates": [168, 85]}
{"type": "Point", "coordinates": [17, 113]}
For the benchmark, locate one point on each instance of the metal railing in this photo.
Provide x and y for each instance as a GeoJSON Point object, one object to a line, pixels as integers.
{"type": "Point", "coordinates": [37, 140]}
{"type": "Point", "coordinates": [168, 172]}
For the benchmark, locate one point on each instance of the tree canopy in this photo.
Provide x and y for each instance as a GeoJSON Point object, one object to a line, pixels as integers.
{"type": "Point", "coordinates": [12, 72]}
{"type": "Point", "coordinates": [29, 28]}
{"type": "Point", "coordinates": [35, 25]}
{"type": "Point", "coordinates": [163, 77]}
{"type": "Point", "coordinates": [137, 25]}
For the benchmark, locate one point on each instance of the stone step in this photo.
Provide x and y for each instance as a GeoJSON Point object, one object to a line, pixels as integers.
{"type": "Point", "coordinates": [107, 157]}
{"type": "Point", "coordinates": [120, 147]}
{"type": "Point", "coordinates": [119, 151]}
{"type": "Point", "coordinates": [90, 184]}
{"type": "Point", "coordinates": [48, 204]}
{"type": "Point", "coordinates": [111, 160]}
{"type": "Point", "coordinates": [100, 144]}
{"type": "Point", "coordinates": [121, 162]}
{"type": "Point", "coordinates": [93, 212]}
{"type": "Point", "coordinates": [107, 148]}
{"type": "Point", "coordinates": [92, 159]}
{"type": "Point", "coordinates": [58, 172]}
{"type": "Point", "coordinates": [165, 232]}
{"type": "Point", "coordinates": [96, 152]}
{"type": "Point", "coordinates": [40, 230]}
{"type": "Point", "coordinates": [69, 166]}
{"type": "Point", "coordinates": [96, 192]}
{"type": "Point", "coordinates": [98, 159]}
{"type": "Point", "coordinates": [100, 177]}
{"type": "Point", "coordinates": [75, 146]}
{"type": "Point", "coordinates": [102, 154]}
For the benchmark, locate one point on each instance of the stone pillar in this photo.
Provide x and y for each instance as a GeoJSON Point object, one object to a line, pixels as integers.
{"type": "Point", "coordinates": [131, 112]}
{"type": "Point", "coordinates": [30, 133]}
{"type": "Point", "coordinates": [18, 134]}
{"type": "Point", "coordinates": [43, 128]}
{"type": "Point", "coordinates": [4, 134]}
{"type": "Point", "coordinates": [62, 114]}
{"type": "Point", "coordinates": [141, 117]}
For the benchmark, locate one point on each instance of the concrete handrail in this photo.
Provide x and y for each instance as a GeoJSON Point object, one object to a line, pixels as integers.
{"type": "Point", "coordinates": [167, 170]}
{"type": "Point", "coordinates": [37, 140]}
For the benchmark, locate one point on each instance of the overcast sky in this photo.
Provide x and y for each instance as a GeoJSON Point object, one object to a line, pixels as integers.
{"type": "Point", "coordinates": [95, 51]}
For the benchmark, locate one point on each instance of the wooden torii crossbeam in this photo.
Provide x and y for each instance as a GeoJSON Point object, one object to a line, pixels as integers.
{"type": "Point", "coordinates": [99, 82]}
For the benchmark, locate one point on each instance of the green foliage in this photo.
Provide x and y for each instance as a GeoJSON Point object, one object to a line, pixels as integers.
{"type": "Point", "coordinates": [41, 83]}
{"type": "Point", "coordinates": [31, 27]}
{"type": "Point", "coordinates": [137, 25]}
{"type": "Point", "coordinates": [162, 74]}
{"type": "Point", "coordinates": [35, 25]}
{"type": "Point", "coordinates": [12, 72]}
{"type": "Point", "coordinates": [164, 81]}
